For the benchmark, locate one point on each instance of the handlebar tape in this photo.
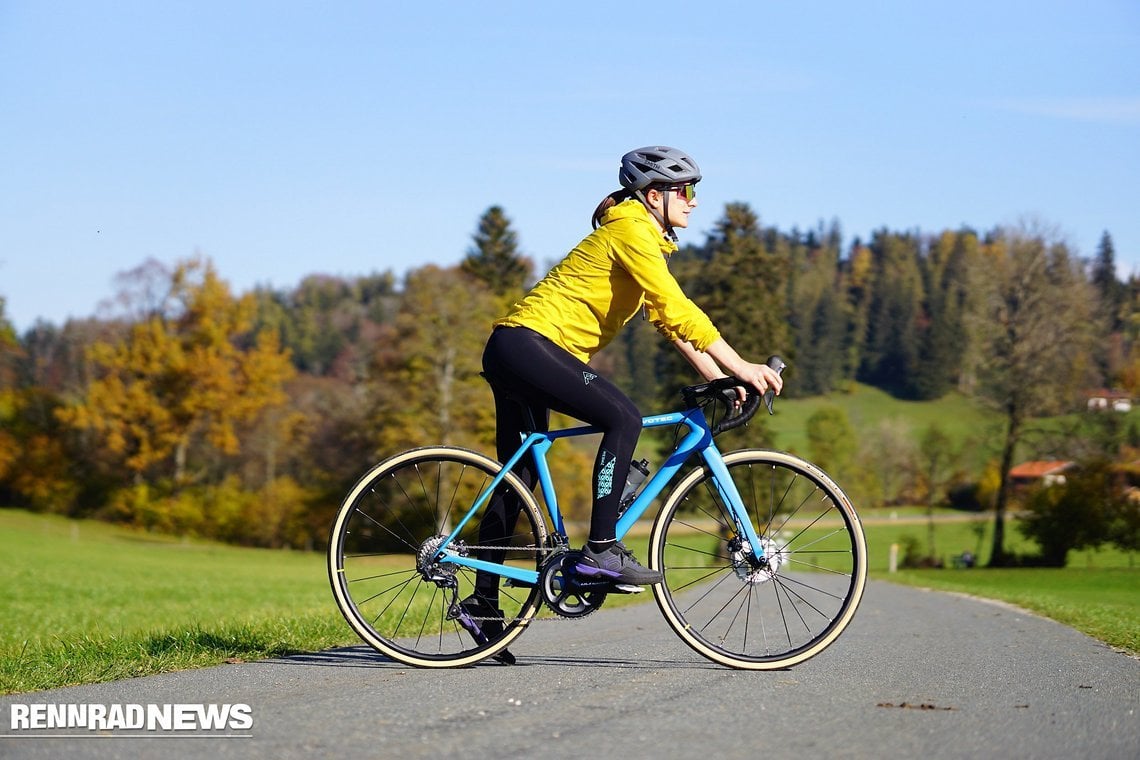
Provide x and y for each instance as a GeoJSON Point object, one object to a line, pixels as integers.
{"type": "Point", "coordinates": [752, 399]}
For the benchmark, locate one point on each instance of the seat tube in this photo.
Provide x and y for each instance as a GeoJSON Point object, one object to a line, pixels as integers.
{"type": "Point", "coordinates": [541, 445]}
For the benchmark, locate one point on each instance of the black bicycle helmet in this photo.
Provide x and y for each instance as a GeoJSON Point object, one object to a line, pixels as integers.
{"type": "Point", "coordinates": [657, 165]}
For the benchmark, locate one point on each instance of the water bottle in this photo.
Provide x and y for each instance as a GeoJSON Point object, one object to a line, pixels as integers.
{"type": "Point", "coordinates": [638, 472]}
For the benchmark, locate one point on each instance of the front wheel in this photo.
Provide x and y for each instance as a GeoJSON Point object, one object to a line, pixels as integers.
{"type": "Point", "coordinates": [759, 613]}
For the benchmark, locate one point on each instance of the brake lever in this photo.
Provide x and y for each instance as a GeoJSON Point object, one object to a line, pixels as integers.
{"type": "Point", "coordinates": [777, 364]}
{"type": "Point", "coordinates": [731, 400]}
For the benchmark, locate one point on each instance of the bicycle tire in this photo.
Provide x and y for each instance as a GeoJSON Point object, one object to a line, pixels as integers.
{"type": "Point", "coordinates": [395, 512]}
{"type": "Point", "coordinates": [753, 617]}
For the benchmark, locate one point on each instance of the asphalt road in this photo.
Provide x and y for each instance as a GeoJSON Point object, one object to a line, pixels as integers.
{"type": "Point", "coordinates": [917, 675]}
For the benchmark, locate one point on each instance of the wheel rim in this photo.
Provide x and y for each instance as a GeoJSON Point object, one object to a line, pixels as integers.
{"type": "Point", "coordinates": [751, 614]}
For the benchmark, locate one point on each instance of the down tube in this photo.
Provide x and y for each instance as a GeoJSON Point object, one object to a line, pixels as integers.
{"type": "Point", "coordinates": [731, 496]}
{"type": "Point", "coordinates": [697, 438]}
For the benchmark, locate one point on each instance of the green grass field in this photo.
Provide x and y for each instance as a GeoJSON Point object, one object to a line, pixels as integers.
{"type": "Point", "coordinates": [86, 602]}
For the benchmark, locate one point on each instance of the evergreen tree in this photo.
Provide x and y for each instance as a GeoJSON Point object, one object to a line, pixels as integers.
{"type": "Point", "coordinates": [1111, 291]}
{"type": "Point", "coordinates": [941, 333]}
{"type": "Point", "coordinates": [821, 359]}
{"type": "Point", "coordinates": [855, 287]}
{"type": "Point", "coordinates": [494, 258]}
{"type": "Point", "coordinates": [1112, 296]}
{"type": "Point", "coordinates": [961, 300]}
{"type": "Point", "coordinates": [892, 348]}
{"type": "Point", "coordinates": [817, 319]}
{"type": "Point", "coordinates": [743, 286]}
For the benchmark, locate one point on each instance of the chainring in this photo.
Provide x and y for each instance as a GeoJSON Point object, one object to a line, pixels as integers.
{"type": "Point", "coordinates": [567, 593]}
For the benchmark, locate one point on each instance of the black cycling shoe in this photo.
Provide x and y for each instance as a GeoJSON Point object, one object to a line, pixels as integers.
{"type": "Point", "coordinates": [616, 563]}
{"type": "Point", "coordinates": [485, 623]}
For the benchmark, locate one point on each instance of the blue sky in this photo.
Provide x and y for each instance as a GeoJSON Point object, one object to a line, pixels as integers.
{"type": "Point", "coordinates": [282, 139]}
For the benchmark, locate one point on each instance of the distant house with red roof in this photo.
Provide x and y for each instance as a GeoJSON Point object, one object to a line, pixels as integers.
{"type": "Point", "coordinates": [1047, 473]}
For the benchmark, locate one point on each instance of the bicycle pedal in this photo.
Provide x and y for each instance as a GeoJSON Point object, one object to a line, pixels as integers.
{"type": "Point", "coordinates": [627, 588]}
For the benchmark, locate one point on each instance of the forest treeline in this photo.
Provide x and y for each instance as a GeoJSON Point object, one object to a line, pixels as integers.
{"type": "Point", "coordinates": [189, 408]}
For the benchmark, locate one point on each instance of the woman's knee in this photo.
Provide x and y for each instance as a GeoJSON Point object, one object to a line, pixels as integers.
{"type": "Point", "coordinates": [628, 417]}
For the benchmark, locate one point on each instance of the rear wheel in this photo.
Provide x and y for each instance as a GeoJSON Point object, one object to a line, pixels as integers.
{"type": "Point", "coordinates": [381, 558]}
{"type": "Point", "coordinates": [759, 613]}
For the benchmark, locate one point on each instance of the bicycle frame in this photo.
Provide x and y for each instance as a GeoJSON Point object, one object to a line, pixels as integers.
{"type": "Point", "coordinates": [698, 440]}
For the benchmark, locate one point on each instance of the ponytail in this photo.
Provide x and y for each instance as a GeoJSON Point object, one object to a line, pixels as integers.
{"type": "Point", "coordinates": [609, 202]}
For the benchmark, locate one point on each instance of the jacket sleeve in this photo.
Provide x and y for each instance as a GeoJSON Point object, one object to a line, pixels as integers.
{"type": "Point", "coordinates": [639, 251]}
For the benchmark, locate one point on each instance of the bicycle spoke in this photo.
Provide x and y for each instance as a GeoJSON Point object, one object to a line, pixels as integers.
{"type": "Point", "coordinates": [385, 528]}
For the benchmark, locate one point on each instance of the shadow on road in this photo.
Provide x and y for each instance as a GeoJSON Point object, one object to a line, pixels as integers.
{"type": "Point", "coordinates": [366, 657]}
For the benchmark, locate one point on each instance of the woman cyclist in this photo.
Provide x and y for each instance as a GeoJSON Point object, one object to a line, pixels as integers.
{"type": "Point", "coordinates": [537, 355]}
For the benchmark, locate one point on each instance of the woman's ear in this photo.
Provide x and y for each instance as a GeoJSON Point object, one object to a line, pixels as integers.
{"type": "Point", "coordinates": [653, 197]}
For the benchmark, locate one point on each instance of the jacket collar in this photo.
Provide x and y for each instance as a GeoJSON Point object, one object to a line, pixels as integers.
{"type": "Point", "coordinates": [634, 209]}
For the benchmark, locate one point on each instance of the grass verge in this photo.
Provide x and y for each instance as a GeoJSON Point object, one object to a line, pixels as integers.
{"type": "Point", "coordinates": [86, 602]}
{"type": "Point", "coordinates": [1098, 593]}
{"type": "Point", "coordinates": [1101, 602]}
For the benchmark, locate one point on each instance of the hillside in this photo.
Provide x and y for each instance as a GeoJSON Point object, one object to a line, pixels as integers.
{"type": "Point", "coordinates": [961, 419]}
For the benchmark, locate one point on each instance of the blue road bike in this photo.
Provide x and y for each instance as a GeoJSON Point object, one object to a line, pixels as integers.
{"type": "Point", "coordinates": [762, 555]}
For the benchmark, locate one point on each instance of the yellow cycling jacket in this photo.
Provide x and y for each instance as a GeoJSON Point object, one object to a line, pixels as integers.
{"type": "Point", "coordinates": [601, 284]}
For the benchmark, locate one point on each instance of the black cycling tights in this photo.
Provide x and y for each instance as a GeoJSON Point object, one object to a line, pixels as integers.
{"type": "Point", "coordinates": [531, 376]}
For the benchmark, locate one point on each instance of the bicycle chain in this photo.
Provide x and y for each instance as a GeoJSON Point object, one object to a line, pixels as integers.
{"type": "Point", "coordinates": [546, 549]}
{"type": "Point", "coordinates": [536, 619]}
{"type": "Point", "coordinates": [538, 550]}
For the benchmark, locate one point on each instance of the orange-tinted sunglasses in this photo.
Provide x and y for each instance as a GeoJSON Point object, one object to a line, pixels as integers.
{"type": "Point", "coordinates": [688, 192]}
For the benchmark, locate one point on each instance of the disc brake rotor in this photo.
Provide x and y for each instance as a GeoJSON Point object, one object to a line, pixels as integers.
{"type": "Point", "coordinates": [748, 568]}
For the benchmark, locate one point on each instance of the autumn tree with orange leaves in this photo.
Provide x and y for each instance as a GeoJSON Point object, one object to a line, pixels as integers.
{"type": "Point", "coordinates": [171, 398]}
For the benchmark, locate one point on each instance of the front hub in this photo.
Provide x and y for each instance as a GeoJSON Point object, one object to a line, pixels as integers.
{"type": "Point", "coordinates": [752, 569]}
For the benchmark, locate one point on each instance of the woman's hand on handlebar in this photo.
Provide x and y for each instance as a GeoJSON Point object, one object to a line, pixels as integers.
{"type": "Point", "coordinates": [758, 379]}
{"type": "Point", "coordinates": [719, 357]}
{"type": "Point", "coordinates": [759, 376]}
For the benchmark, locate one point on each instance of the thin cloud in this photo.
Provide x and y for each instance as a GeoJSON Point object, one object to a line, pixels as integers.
{"type": "Point", "coordinates": [1098, 110]}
